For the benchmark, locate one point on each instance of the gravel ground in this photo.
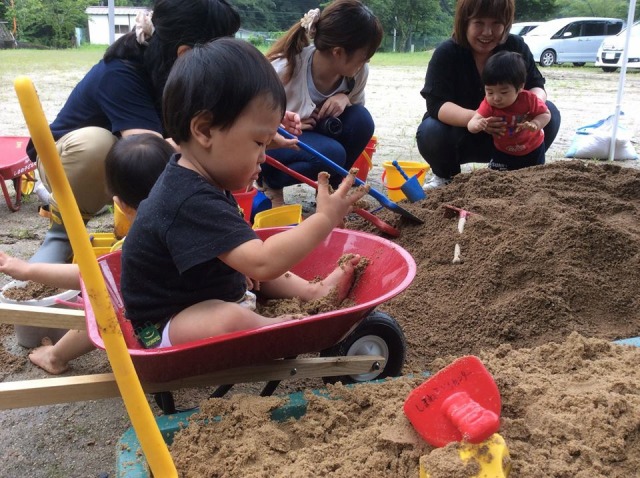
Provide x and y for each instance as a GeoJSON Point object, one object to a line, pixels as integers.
{"type": "Point", "coordinates": [78, 439]}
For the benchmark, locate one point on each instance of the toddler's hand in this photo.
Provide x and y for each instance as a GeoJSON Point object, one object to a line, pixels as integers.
{"type": "Point", "coordinates": [338, 204]}
{"type": "Point", "coordinates": [290, 122]}
{"type": "Point", "coordinates": [280, 141]}
{"type": "Point", "coordinates": [477, 124]}
{"type": "Point", "coordinates": [526, 125]}
{"type": "Point", "coordinates": [13, 267]}
{"type": "Point", "coordinates": [252, 284]}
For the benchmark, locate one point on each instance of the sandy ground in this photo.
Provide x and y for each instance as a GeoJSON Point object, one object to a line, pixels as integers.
{"type": "Point", "coordinates": [78, 439]}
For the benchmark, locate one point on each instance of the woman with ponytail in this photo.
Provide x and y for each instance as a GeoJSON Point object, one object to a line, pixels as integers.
{"type": "Point", "coordinates": [322, 62]}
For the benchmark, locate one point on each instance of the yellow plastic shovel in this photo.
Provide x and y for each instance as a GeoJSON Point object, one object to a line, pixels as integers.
{"type": "Point", "coordinates": [140, 414]}
{"type": "Point", "coordinates": [491, 458]}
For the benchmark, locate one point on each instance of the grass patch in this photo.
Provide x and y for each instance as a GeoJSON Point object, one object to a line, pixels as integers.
{"type": "Point", "coordinates": [52, 60]}
{"type": "Point", "coordinates": [419, 58]}
{"type": "Point", "coordinates": [86, 56]}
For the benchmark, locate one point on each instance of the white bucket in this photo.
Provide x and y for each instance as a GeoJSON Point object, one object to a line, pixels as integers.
{"type": "Point", "coordinates": [31, 337]}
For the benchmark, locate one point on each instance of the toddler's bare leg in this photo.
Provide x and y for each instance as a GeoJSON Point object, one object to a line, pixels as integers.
{"type": "Point", "coordinates": [215, 317]}
{"type": "Point", "coordinates": [290, 285]}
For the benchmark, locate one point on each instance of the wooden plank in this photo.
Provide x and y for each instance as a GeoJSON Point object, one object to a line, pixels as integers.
{"type": "Point", "coordinates": [49, 391]}
{"type": "Point", "coordinates": [42, 316]}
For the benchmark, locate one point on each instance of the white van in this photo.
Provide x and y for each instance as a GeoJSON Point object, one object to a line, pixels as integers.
{"type": "Point", "coordinates": [610, 52]}
{"type": "Point", "coordinates": [575, 40]}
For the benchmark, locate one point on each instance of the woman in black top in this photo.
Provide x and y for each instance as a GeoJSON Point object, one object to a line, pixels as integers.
{"type": "Point", "coordinates": [453, 88]}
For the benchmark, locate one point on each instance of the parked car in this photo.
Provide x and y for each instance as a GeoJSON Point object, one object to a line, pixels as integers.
{"type": "Point", "coordinates": [575, 40]}
{"type": "Point", "coordinates": [522, 28]}
{"type": "Point", "coordinates": [610, 52]}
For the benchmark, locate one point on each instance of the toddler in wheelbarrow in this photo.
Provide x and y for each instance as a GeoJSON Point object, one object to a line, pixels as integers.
{"type": "Point", "coordinates": [190, 259]}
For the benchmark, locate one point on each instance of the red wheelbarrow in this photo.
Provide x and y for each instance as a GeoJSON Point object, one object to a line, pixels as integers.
{"type": "Point", "coordinates": [14, 165]}
{"type": "Point", "coordinates": [355, 330]}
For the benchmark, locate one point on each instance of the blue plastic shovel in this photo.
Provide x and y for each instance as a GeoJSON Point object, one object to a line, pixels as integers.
{"type": "Point", "coordinates": [411, 187]}
{"type": "Point", "coordinates": [377, 195]}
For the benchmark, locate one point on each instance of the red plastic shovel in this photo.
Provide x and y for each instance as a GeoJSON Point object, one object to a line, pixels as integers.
{"type": "Point", "coordinates": [459, 403]}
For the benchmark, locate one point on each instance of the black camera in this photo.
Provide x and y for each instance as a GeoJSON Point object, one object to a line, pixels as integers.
{"type": "Point", "coordinates": [329, 126]}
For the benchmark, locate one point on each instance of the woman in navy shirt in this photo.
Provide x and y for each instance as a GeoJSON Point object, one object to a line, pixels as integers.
{"type": "Point", "coordinates": [121, 96]}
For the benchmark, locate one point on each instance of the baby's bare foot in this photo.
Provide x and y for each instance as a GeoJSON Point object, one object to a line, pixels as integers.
{"type": "Point", "coordinates": [341, 279]}
{"type": "Point", "coordinates": [43, 357]}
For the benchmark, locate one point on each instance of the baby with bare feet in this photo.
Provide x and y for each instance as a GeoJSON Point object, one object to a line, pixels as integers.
{"type": "Point", "coordinates": [131, 168]}
{"type": "Point", "coordinates": [187, 257]}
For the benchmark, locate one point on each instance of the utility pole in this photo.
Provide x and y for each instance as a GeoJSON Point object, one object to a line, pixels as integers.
{"type": "Point", "coordinates": [394, 35]}
{"type": "Point", "coordinates": [112, 22]}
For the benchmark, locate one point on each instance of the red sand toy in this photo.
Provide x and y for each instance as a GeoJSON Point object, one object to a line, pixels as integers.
{"type": "Point", "coordinates": [460, 402]}
{"type": "Point", "coordinates": [352, 331]}
{"type": "Point", "coordinates": [14, 165]}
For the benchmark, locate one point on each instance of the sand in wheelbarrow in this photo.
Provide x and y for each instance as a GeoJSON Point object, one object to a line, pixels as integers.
{"type": "Point", "coordinates": [297, 307]}
{"type": "Point", "coordinates": [551, 251]}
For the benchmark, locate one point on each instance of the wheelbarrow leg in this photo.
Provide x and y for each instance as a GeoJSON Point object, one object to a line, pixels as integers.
{"type": "Point", "coordinates": [165, 401]}
{"type": "Point", "coordinates": [221, 391]}
{"type": "Point", "coordinates": [269, 388]}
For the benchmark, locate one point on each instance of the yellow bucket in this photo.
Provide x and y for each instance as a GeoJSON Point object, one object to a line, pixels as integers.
{"type": "Point", "coordinates": [103, 243]}
{"type": "Point", "coordinates": [393, 180]}
{"type": "Point", "coordinates": [288, 215]}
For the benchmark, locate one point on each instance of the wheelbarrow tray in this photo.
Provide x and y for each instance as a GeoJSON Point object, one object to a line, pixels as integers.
{"type": "Point", "coordinates": [14, 163]}
{"type": "Point", "coordinates": [391, 269]}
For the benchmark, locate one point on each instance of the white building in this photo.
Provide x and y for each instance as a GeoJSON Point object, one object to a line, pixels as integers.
{"type": "Point", "coordinates": [124, 19]}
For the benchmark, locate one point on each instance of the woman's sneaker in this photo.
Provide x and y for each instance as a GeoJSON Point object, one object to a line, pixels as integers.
{"type": "Point", "coordinates": [435, 182]}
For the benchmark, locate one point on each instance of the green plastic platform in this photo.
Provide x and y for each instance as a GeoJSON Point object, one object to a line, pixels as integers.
{"type": "Point", "coordinates": [130, 461]}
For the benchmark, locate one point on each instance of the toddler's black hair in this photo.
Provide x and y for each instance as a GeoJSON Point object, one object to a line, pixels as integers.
{"type": "Point", "coordinates": [505, 67]}
{"type": "Point", "coordinates": [221, 77]}
{"type": "Point", "coordinates": [134, 164]}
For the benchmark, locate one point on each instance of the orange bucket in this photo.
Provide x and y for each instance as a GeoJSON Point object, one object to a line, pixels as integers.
{"type": "Point", "coordinates": [364, 163]}
{"type": "Point", "coordinates": [245, 201]}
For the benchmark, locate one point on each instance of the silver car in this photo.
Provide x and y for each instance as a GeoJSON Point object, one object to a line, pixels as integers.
{"type": "Point", "coordinates": [575, 40]}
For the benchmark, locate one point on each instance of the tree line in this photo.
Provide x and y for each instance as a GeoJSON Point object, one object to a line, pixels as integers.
{"type": "Point", "coordinates": [408, 24]}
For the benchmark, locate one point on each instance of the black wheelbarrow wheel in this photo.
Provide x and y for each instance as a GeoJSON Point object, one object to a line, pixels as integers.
{"type": "Point", "coordinates": [376, 334]}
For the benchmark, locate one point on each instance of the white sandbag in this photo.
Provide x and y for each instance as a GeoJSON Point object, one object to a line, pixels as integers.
{"type": "Point", "coordinates": [594, 141]}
